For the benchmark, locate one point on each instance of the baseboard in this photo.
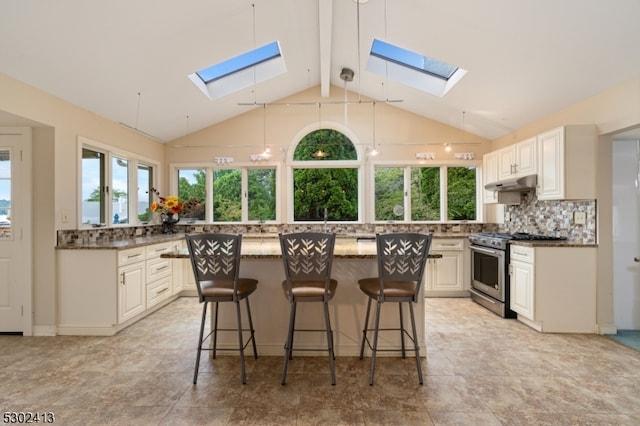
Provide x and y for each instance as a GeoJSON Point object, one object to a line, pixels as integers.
{"type": "Point", "coordinates": [44, 330]}
{"type": "Point", "coordinates": [609, 329]}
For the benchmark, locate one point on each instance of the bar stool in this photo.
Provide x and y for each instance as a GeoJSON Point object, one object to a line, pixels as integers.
{"type": "Point", "coordinates": [401, 262]}
{"type": "Point", "coordinates": [215, 259]}
{"type": "Point", "coordinates": [307, 258]}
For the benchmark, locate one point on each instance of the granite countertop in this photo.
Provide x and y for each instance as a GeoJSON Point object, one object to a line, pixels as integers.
{"type": "Point", "coordinates": [543, 243]}
{"type": "Point", "coordinates": [349, 241]}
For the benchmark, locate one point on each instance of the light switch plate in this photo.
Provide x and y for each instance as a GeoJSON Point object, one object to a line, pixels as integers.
{"type": "Point", "coordinates": [579, 218]}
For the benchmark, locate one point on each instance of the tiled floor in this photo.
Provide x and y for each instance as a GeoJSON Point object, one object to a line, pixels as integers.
{"type": "Point", "coordinates": [479, 370]}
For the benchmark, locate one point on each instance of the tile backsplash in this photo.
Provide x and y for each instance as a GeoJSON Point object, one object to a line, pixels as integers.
{"type": "Point", "coordinates": [550, 217]}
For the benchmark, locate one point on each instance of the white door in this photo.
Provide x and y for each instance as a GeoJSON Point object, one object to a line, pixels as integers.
{"type": "Point", "coordinates": [15, 230]}
{"type": "Point", "coordinates": [626, 228]}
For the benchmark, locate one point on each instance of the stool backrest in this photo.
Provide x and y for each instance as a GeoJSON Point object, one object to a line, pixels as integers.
{"type": "Point", "coordinates": [402, 257]}
{"type": "Point", "coordinates": [215, 257]}
{"type": "Point", "coordinates": [307, 256]}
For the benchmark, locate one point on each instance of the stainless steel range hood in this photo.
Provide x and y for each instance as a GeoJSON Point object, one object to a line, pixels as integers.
{"type": "Point", "coordinates": [521, 184]}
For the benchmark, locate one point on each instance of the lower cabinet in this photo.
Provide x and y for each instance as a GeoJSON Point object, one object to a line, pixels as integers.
{"type": "Point", "coordinates": [445, 276]}
{"type": "Point", "coordinates": [102, 291]}
{"type": "Point", "coordinates": [553, 288]}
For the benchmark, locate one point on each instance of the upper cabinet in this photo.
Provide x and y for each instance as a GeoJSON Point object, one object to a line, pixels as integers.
{"type": "Point", "coordinates": [567, 163]}
{"type": "Point", "coordinates": [489, 175]}
{"type": "Point", "coordinates": [517, 160]}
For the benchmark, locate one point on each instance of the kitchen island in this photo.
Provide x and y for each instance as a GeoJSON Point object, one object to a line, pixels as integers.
{"type": "Point", "coordinates": [353, 259]}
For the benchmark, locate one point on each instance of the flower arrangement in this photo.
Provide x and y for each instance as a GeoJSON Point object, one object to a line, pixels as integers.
{"type": "Point", "coordinates": [170, 204]}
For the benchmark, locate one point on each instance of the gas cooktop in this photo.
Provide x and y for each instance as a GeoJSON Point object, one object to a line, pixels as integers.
{"type": "Point", "coordinates": [500, 239]}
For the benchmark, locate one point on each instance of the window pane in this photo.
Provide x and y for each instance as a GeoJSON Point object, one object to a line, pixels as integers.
{"type": "Point", "coordinates": [461, 193]}
{"type": "Point", "coordinates": [145, 183]}
{"type": "Point", "coordinates": [262, 194]}
{"type": "Point", "coordinates": [227, 190]}
{"type": "Point", "coordinates": [192, 192]}
{"type": "Point", "coordinates": [119, 190]}
{"type": "Point", "coordinates": [335, 190]}
{"type": "Point", "coordinates": [325, 144]}
{"type": "Point", "coordinates": [5, 193]}
{"type": "Point", "coordinates": [389, 193]}
{"type": "Point", "coordinates": [93, 184]}
{"type": "Point", "coordinates": [425, 193]}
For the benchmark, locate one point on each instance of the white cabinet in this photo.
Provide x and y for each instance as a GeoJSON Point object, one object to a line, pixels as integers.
{"type": "Point", "coordinates": [131, 291]}
{"type": "Point", "coordinates": [567, 163]}
{"type": "Point", "coordinates": [489, 175]}
{"type": "Point", "coordinates": [102, 291]}
{"type": "Point", "coordinates": [522, 275]}
{"type": "Point", "coordinates": [445, 275]}
{"type": "Point", "coordinates": [159, 273]}
{"type": "Point", "coordinates": [553, 287]}
{"type": "Point", "coordinates": [517, 160]}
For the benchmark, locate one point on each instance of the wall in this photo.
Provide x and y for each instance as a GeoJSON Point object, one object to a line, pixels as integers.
{"type": "Point", "coordinates": [57, 125]}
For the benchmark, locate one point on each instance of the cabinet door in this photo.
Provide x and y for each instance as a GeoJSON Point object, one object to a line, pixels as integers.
{"type": "Point", "coordinates": [506, 162]}
{"type": "Point", "coordinates": [131, 291]}
{"type": "Point", "coordinates": [447, 272]}
{"type": "Point", "coordinates": [490, 175]}
{"type": "Point", "coordinates": [551, 165]}
{"type": "Point", "coordinates": [522, 289]}
{"type": "Point", "coordinates": [526, 156]}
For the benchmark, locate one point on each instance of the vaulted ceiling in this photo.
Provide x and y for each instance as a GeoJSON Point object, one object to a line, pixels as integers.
{"type": "Point", "coordinates": [128, 60]}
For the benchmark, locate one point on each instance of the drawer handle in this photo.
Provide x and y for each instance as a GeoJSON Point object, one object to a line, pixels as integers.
{"type": "Point", "coordinates": [162, 267]}
{"type": "Point", "coordinates": [161, 250]}
{"type": "Point", "coordinates": [131, 256]}
{"type": "Point", "coordinates": [521, 254]}
{"type": "Point", "coordinates": [163, 290]}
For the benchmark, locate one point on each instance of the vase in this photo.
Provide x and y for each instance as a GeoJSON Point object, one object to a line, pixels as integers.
{"type": "Point", "coordinates": [169, 221]}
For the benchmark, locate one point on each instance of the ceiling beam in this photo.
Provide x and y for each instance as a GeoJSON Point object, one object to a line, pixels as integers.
{"type": "Point", "coordinates": [325, 18]}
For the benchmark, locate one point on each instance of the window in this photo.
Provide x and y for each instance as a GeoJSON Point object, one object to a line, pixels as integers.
{"type": "Point", "coordinates": [325, 185]}
{"type": "Point", "coordinates": [5, 193]}
{"type": "Point", "coordinates": [239, 194]}
{"type": "Point", "coordinates": [145, 183]}
{"type": "Point", "coordinates": [433, 193]}
{"type": "Point", "coordinates": [114, 188]}
{"type": "Point", "coordinates": [192, 189]}
{"type": "Point", "coordinates": [413, 69]}
{"type": "Point", "coordinates": [119, 190]}
{"type": "Point", "coordinates": [93, 187]}
{"type": "Point", "coordinates": [239, 72]}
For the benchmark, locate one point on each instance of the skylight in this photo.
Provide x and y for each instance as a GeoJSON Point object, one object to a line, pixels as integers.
{"type": "Point", "coordinates": [239, 72]}
{"type": "Point", "coordinates": [413, 69]}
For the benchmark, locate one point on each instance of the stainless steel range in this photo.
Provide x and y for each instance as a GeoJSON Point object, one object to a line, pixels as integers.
{"type": "Point", "coordinates": [489, 269]}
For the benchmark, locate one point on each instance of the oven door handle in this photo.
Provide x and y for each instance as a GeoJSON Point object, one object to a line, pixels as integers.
{"type": "Point", "coordinates": [484, 250]}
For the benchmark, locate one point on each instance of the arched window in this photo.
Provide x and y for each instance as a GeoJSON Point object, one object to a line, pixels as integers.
{"type": "Point", "coordinates": [325, 178]}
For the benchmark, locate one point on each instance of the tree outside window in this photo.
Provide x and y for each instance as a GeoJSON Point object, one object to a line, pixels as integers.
{"type": "Point", "coordinates": [318, 189]}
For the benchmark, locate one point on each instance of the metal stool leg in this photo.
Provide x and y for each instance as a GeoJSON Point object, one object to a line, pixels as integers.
{"type": "Point", "coordinates": [241, 343]}
{"type": "Point", "coordinates": [327, 322]}
{"type": "Point", "coordinates": [364, 329]}
{"type": "Point", "coordinates": [204, 316]}
{"type": "Point", "coordinates": [253, 338]}
{"type": "Point", "coordinates": [216, 308]}
{"type": "Point", "coordinates": [289, 342]}
{"type": "Point", "coordinates": [375, 342]}
{"type": "Point", "coordinates": [415, 341]}
{"type": "Point", "coordinates": [404, 355]}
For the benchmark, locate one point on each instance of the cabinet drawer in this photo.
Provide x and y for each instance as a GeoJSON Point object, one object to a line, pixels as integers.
{"type": "Point", "coordinates": [523, 254]}
{"type": "Point", "coordinates": [447, 244]}
{"type": "Point", "coordinates": [129, 256]}
{"type": "Point", "coordinates": [158, 291]}
{"type": "Point", "coordinates": [156, 250]}
{"type": "Point", "coordinates": [157, 268]}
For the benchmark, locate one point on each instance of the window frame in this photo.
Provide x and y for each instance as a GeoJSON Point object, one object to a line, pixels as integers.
{"type": "Point", "coordinates": [443, 165]}
{"type": "Point", "coordinates": [133, 160]}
